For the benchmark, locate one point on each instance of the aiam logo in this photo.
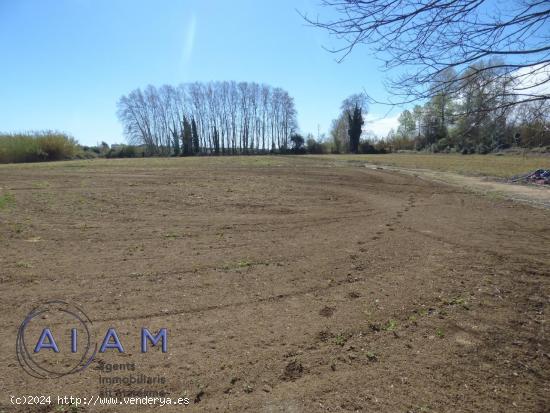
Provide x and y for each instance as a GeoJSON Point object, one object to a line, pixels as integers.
{"type": "Point", "coordinates": [73, 347]}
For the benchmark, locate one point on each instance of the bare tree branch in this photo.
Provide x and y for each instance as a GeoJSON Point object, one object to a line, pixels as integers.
{"type": "Point", "coordinates": [430, 37]}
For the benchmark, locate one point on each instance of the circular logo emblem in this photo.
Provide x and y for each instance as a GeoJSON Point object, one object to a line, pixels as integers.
{"type": "Point", "coordinates": [62, 340]}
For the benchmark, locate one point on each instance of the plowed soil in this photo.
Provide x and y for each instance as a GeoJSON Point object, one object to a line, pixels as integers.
{"type": "Point", "coordinates": [286, 285]}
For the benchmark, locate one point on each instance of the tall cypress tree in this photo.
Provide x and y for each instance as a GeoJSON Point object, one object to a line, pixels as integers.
{"type": "Point", "coordinates": [355, 122]}
{"type": "Point", "coordinates": [216, 141]}
{"type": "Point", "coordinates": [196, 148]}
{"type": "Point", "coordinates": [176, 143]}
{"type": "Point", "coordinates": [187, 137]}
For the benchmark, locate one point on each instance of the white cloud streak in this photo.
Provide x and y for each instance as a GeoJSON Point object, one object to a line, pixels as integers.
{"type": "Point", "coordinates": [189, 38]}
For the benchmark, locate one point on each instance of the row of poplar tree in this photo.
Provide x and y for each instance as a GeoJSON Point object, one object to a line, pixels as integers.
{"type": "Point", "coordinates": [209, 118]}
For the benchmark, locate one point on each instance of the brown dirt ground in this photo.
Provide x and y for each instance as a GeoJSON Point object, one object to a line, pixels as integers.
{"type": "Point", "coordinates": [535, 195]}
{"type": "Point", "coordinates": [287, 285]}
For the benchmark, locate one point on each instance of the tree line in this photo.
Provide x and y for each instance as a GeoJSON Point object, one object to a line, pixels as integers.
{"type": "Point", "coordinates": [478, 71]}
{"type": "Point", "coordinates": [474, 115]}
{"type": "Point", "coordinates": [209, 118]}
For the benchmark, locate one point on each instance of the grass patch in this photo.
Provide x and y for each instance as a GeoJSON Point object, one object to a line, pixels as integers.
{"type": "Point", "coordinates": [76, 165]}
{"type": "Point", "coordinates": [457, 301]}
{"type": "Point", "coordinates": [238, 265]}
{"type": "Point", "coordinates": [6, 200]}
{"type": "Point", "coordinates": [23, 264]}
{"type": "Point", "coordinates": [243, 264]}
{"type": "Point", "coordinates": [390, 326]}
{"type": "Point", "coordinates": [41, 184]}
{"type": "Point", "coordinates": [173, 235]}
{"type": "Point", "coordinates": [340, 340]}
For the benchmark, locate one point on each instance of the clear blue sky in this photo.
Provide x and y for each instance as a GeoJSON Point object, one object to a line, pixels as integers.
{"type": "Point", "coordinates": [65, 63]}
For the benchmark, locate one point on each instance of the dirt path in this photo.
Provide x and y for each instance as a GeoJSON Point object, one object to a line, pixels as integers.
{"type": "Point", "coordinates": [286, 285]}
{"type": "Point", "coordinates": [529, 194]}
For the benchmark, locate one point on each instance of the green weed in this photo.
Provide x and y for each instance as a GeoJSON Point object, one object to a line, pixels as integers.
{"type": "Point", "coordinates": [340, 340]}
{"type": "Point", "coordinates": [371, 356]}
{"type": "Point", "coordinates": [390, 326]}
{"type": "Point", "coordinates": [7, 200]}
{"type": "Point", "coordinates": [23, 264]}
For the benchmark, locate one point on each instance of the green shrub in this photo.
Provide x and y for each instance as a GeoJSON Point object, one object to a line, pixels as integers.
{"type": "Point", "coordinates": [86, 153]}
{"type": "Point", "coordinates": [128, 151]}
{"type": "Point", "coordinates": [313, 146]}
{"type": "Point", "coordinates": [366, 147]}
{"type": "Point", "coordinates": [19, 148]}
{"type": "Point", "coordinates": [442, 145]}
{"type": "Point", "coordinates": [37, 146]}
{"type": "Point", "coordinates": [482, 149]}
{"type": "Point", "coordinates": [57, 146]}
{"type": "Point", "coordinates": [125, 151]}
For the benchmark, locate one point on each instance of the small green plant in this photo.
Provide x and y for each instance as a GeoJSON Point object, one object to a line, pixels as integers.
{"type": "Point", "coordinates": [41, 184]}
{"type": "Point", "coordinates": [244, 264]}
{"type": "Point", "coordinates": [439, 333]}
{"type": "Point", "coordinates": [391, 326]}
{"type": "Point", "coordinates": [237, 265]}
{"type": "Point", "coordinates": [23, 264]}
{"type": "Point", "coordinates": [340, 340]}
{"type": "Point", "coordinates": [71, 408]}
{"type": "Point", "coordinates": [6, 200]}
{"type": "Point", "coordinates": [459, 301]}
{"type": "Point", "coordinates": [371, 356]}
{"type": "Point", "coordinates": [18, 228]}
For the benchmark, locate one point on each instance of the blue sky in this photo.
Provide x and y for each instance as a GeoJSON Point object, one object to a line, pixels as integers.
{"type": "Point", "coordinates": [65, 63]}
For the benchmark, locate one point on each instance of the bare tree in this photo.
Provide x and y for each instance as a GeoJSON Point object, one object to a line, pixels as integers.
{"type": "Point", "coordinates": [431, 37]}
{"type": "Point", "coordinates": [227, 115]}
{"type": "Point", "coordinates": [266, 95]}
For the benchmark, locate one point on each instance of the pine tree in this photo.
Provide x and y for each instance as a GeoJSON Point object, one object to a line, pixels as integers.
{"type": "Point", "coordinates": [176, 144]}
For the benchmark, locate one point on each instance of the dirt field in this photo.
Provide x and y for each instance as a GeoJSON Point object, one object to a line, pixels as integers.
{"type": "Point", "coordinates": [287, 284]}
{"type": "Point", "coordinates": [495, 166]}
